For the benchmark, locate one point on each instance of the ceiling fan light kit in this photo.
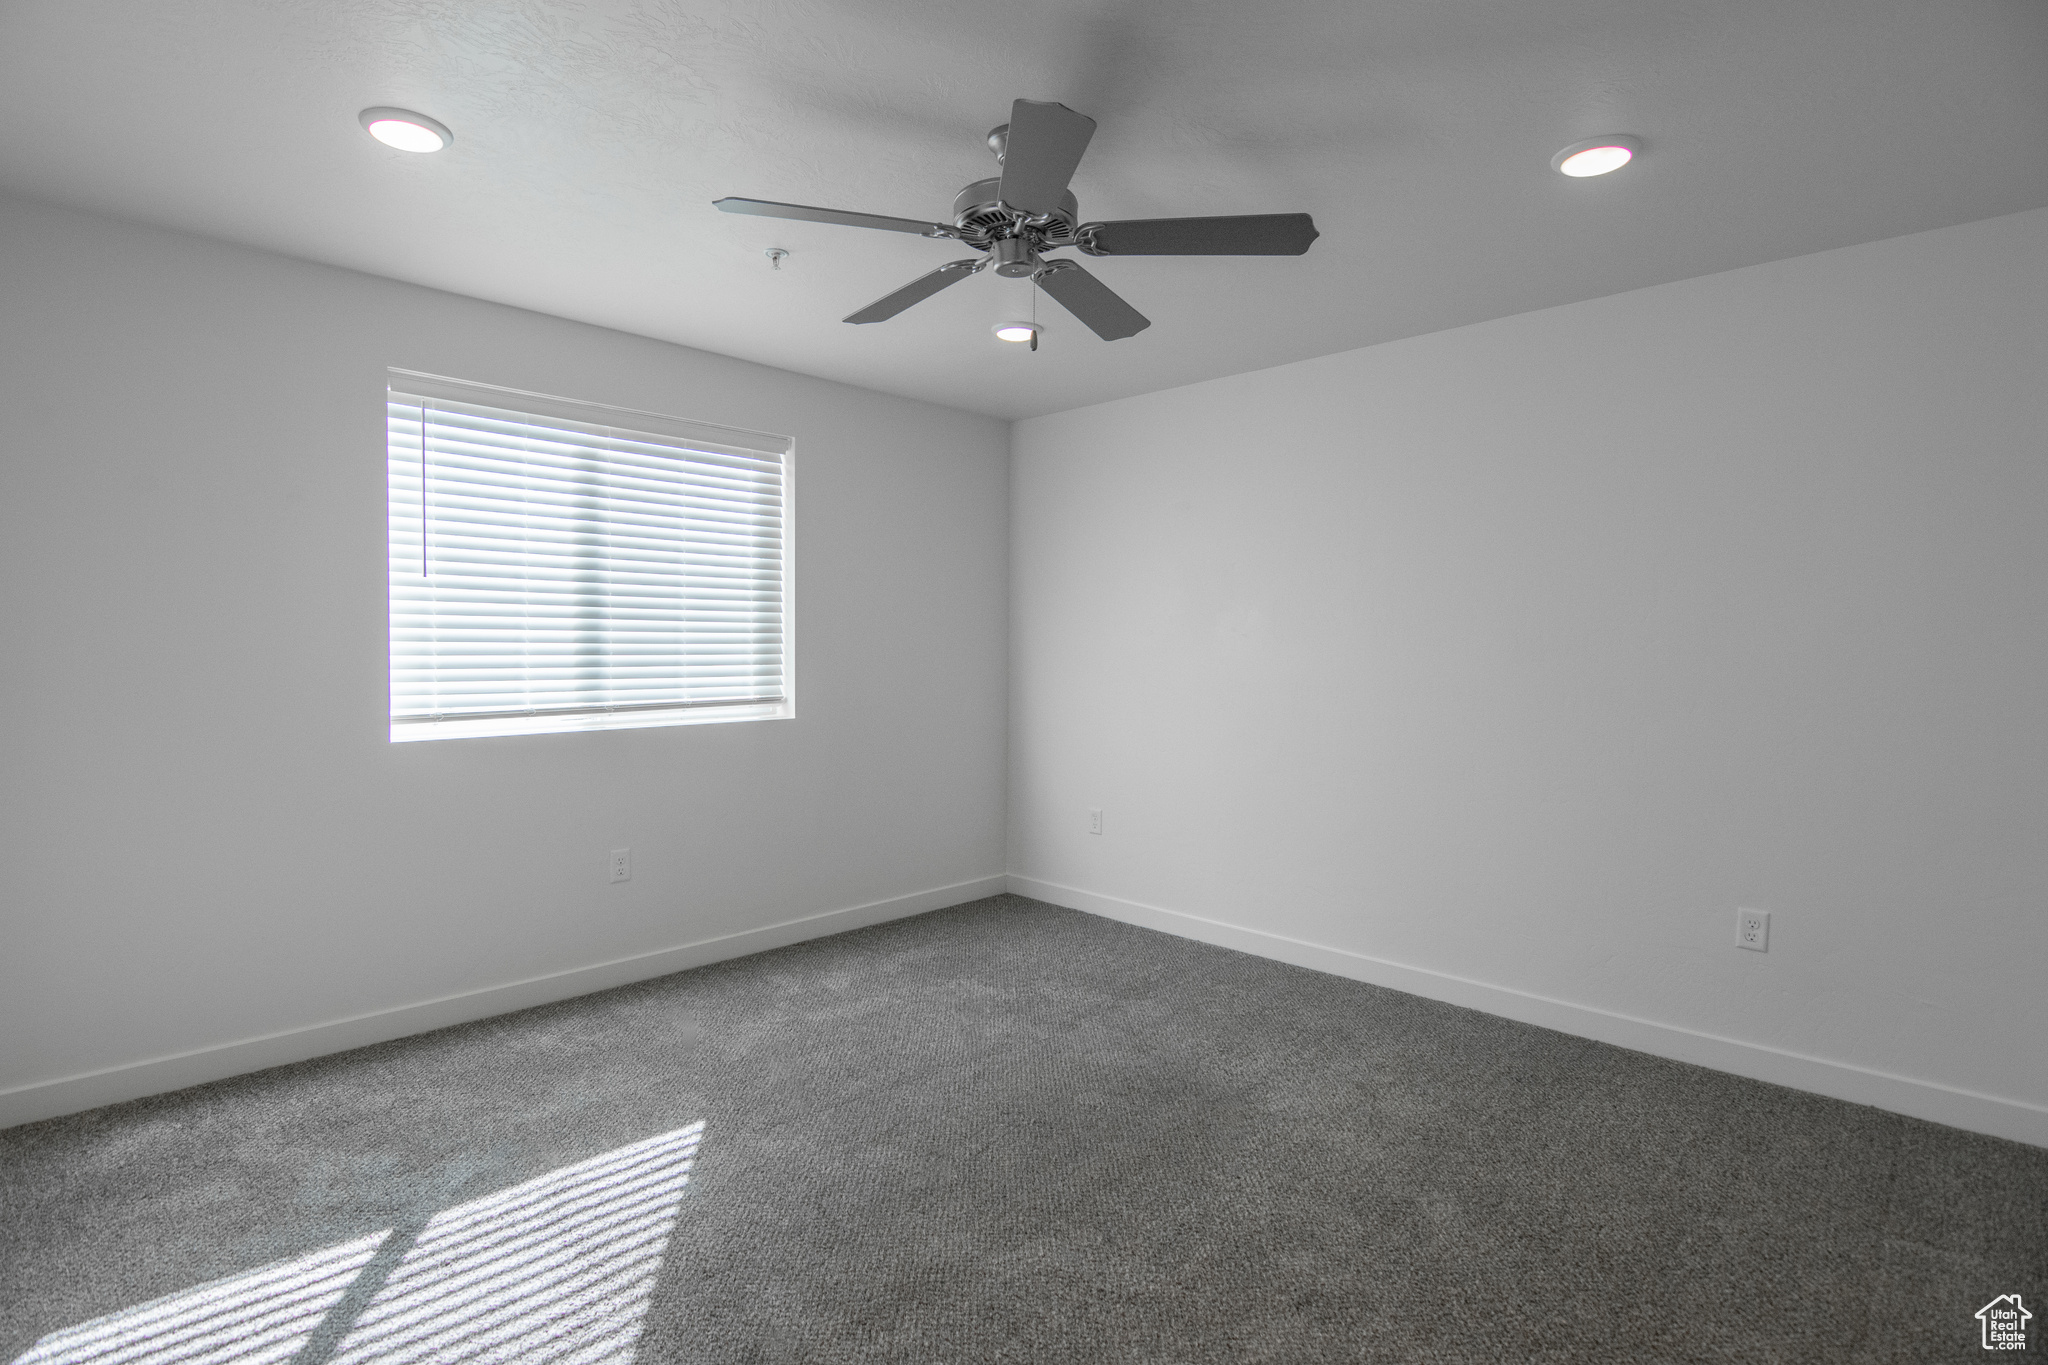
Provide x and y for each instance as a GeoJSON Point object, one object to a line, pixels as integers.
{"type": "Point", "coordinates": [1596, 156]}
{"type": "Point", "coordinates": [1015, 218]}
{"type": "Point", "coordinates": [404, 129]}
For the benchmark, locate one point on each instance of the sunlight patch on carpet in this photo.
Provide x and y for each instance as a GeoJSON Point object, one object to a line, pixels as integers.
{"type": "Point", "coordinates": [557, 1270]}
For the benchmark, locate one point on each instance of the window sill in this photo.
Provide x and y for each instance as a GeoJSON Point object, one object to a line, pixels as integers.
{"type": "Point", "coordinates": [476, 727]}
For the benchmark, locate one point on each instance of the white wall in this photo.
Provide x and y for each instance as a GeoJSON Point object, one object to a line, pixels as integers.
{"type": "Point", "coordinates": [1503, 664]}
{"type": "Point", "coordinates": [1395, 662]}
{"type": "Point", "coordinates": [208, 836]}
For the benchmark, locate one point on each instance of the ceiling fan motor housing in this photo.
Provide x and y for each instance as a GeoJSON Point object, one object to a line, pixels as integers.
{"type": "Point", "coordinates": [983, 218]}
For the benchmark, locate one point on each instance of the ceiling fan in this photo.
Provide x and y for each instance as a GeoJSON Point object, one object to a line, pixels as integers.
{"type": "Point", "coordinates": [1027, 210]}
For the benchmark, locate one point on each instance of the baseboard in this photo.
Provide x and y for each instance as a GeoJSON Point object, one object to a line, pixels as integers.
{"type": "Point", "coordinates": [2013, 1119]}
{"type": "Point", "coordinates": [71, 1094]}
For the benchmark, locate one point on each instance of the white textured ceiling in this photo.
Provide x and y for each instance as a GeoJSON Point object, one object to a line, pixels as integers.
{"type": "Point", "coordinates": [591, 136]}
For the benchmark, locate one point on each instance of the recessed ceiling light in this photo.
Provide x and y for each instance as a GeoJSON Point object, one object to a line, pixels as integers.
{"type": "Point", "coordinates": [1596, 156]}
{"type": "Point", "coordinates": [405, 130]}
{"type": "Point", "coordinates": [1017, 331]}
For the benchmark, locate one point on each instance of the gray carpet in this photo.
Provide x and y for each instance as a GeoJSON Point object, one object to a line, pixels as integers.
{"type": "Point", "coordinates": [1006, 1132]}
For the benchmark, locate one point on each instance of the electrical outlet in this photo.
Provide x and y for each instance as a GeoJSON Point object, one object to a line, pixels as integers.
{"type": "Point", "coordinates": [1753, 930]}
{"type": "Point", "coordinates": [1095, 821]}
{"type": "Point", "coordinates": [622, 864]}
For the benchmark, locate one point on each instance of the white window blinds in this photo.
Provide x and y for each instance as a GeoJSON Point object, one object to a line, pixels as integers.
{"type": "Point", "coordinates": [564, 566]}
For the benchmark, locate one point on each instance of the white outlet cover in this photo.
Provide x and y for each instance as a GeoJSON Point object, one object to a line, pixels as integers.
{"type": "Point", "coordinates": [1753, 930]}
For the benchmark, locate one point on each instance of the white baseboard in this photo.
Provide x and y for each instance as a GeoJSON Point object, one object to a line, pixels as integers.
{"type": "Point", "coordinates": [70, 1094]}
{"type": "Point", "coordinates": [2016, 1120]}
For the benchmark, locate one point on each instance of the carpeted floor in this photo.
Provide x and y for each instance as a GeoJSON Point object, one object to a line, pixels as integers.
{"type": "Point", "coordinates": [1006, 1132]}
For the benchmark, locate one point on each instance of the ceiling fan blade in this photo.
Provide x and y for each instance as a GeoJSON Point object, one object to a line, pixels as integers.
{"type": "Point", "coordinates": [805, 213]}
{"type": "Point", "coordinates": [917, 291]}
{"type": "Point", "coordinates": [1045, 145]}
{"type": "Point", "coordinates": [1092, 301]}
{"type": "Point", "coordinates": [1251, 234]}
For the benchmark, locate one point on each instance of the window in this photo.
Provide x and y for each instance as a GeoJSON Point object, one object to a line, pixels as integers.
{"type": "Point", "coordinates": [564, 566]}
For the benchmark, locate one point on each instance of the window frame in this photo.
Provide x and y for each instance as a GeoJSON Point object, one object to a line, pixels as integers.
{"type": "Point", "coordinates": [410, 388]}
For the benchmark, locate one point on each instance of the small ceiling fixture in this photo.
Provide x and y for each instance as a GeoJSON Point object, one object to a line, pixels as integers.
{"type": "Point", "coordinates": [1596, 156]}
{"type": "Point", "coordinates": [1017, 331]}
{"type": "Point", "coordinates": [405, 130]}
